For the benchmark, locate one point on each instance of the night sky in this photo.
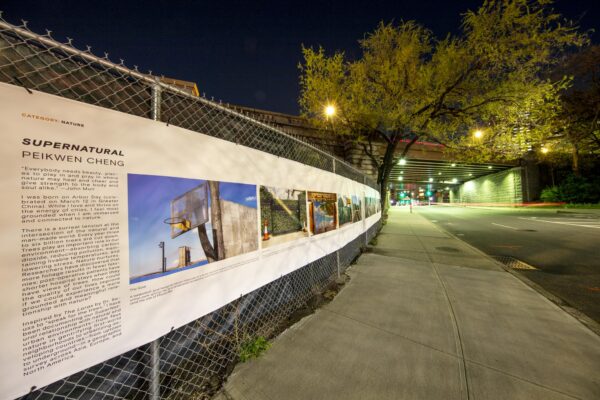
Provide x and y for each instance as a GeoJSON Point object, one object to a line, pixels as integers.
{"type": "Point", "coordinates": [242, 52]}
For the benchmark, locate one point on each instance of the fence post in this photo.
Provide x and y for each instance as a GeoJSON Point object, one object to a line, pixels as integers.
{"type": "Point", "coordinates": [155, 345]}
{"type": "Point", "coordinates": [365, 212]}
{"type": "Point", "coordinates": [155, 370]}
{"type": "Point", "coordinates": [337, 256]}
{"type": "Point", "coordinates": [156, 100]}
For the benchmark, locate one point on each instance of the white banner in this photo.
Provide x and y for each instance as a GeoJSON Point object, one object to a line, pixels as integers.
{"type": "Point", "coordinates": [117, 229]}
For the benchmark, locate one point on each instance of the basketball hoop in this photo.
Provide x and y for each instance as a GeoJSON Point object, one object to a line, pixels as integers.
{"type": "Point", "coordinates": [179, 223]}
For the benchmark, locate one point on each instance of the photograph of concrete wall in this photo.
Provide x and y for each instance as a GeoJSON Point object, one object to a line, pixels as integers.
{"type": "Point", "coordinates": [322, 210]}
{"type": "Point", "coordinates": [344, 210]}
{"type": "Point", "coordinates": [176, 224]}
{"type": "Point", "coordinates": [282, 215]}
{"type": "Point", "coordinates": [371, 206]}
{"type": "Point", "coordinates": [356, 208]}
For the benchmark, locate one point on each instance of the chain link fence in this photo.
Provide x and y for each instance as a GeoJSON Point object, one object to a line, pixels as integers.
{"type": "Point", "coordinates": [191, 361]}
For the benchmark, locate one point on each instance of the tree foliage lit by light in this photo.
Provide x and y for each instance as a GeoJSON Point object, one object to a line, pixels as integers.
{"type": "Point", "coordinates": [408, 85]}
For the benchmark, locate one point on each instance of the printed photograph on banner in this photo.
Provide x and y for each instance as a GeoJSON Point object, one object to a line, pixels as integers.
{"type": "Point", "coordinates": [356, 208]}
{"type": "Point", "coordinates": [344, 206]}
{"type": "Point", "coordinates": [282, 215]}
{"type": "Point", "coordinates": [322, 212]}
{"type": "Point", "coordinates": [371, 205]}
{"type": "Point", "coordinates": [176, 224]}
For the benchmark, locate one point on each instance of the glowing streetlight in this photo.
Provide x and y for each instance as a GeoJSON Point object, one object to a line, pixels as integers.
{"type": "Point", "coordinates": [545, 150]}
{"type": "Point", "coordinates": [330, 110]}
{"type": "Point", "coordinates": [402, 161]}
{"type": "Point", "coordinates": [478, 134]}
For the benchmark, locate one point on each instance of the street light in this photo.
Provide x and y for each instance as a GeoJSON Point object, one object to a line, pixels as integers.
{"type": "Point", "coordinates": [330, 110]}
{"type": "Point", "coordinates": [545, 150]}
{"type": "Point", "coordinates": [478, 134]}
{"type": "Point", "coordinates": [402, 161]}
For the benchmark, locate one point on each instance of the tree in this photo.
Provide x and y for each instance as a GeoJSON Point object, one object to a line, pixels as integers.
{"type": "Point", "coordinates": [409, 85]}
{"type": "Point", "coordinates": [577, 125]}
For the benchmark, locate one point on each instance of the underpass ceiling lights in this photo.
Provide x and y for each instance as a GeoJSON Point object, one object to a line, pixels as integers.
{"type": "Point", "coordinates": [438, 173]}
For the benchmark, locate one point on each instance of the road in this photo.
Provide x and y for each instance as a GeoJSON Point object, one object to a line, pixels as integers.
{"type": "Point", "coordinates": [564, 247]}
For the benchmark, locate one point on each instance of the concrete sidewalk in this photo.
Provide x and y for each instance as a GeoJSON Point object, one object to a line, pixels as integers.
{"type": "Point", "coordinates": [426, 316]}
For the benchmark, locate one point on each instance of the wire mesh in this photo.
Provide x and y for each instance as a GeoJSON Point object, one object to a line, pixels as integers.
{"type": "Point", "coordinates": [191, 361]}
{"type": "Point", "coordinates": [350, 252]}
{"type": "Point", "coordinates": [373, 230]}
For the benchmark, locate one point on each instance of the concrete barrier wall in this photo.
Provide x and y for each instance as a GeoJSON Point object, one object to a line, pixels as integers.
{"type": "Point", "coordinates": [501, 187]}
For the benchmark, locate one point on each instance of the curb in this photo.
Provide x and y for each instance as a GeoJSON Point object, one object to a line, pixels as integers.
{"type": "Point", "coordinates": [597, 214]}
{"type": "Point", "coordinates": [578, 315]}
{"type": "Point", "coordinates": [557, 301]}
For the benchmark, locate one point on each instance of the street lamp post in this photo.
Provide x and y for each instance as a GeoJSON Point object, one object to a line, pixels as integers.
{"type": "Point", "coordinates": [164, 260]}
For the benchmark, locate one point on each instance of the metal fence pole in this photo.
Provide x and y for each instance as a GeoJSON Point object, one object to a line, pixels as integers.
{"type": "Point", "coordinates": [155, 370]}
{"type": "Point", "coordinates": [364, 207]}
{"type": "Point", "coordinates": [155, 346]}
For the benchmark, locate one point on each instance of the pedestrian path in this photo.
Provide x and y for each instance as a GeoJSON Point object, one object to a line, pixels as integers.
{"type": "Point", "coordinates": [426, 316]}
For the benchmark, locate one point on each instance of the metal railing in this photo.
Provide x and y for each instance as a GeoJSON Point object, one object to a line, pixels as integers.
{"type": "Point", "coordinates": [191, 361]}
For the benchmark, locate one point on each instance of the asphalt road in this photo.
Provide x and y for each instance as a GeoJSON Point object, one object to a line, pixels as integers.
{"type": "Point", "coordinates": [564, 247]}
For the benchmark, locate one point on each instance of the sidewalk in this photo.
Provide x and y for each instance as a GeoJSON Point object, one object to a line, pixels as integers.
{"type": "Point", "coordinates": [425, 316]}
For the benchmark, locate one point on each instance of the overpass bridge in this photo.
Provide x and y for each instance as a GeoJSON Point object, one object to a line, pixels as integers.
{"type": "Point", "coordinates": [425, 168]}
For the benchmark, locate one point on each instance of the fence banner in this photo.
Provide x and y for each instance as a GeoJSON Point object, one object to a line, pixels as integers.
{"type": "Point", "coordinates": [117, 229]}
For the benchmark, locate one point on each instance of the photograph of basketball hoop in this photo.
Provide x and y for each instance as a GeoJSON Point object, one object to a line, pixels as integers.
{"type": "Point", "coordinates": [356, 208]}
{"type": "Point", "coordinates": [322, 212]}
{"type": "Point", "coordinates": [282, 215]}
{"type": "Point", "coordinates": [176, 224]}
{"type": "Point", "coordinates": [344, 206]}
